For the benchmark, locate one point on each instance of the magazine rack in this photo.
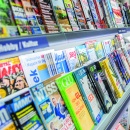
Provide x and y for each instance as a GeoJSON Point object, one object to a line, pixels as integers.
{"type": "Point", "coordinates": [61, 41]}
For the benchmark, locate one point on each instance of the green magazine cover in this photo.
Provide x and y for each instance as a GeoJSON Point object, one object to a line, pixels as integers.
{"type": "Point", "coordinates": [74, 102]}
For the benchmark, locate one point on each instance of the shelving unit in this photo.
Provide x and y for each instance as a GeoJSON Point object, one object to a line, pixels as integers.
{"type": "Point", "coordinates": [66, 40]}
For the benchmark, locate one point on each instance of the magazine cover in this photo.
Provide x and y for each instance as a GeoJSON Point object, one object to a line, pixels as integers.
{"type": "Point", "coordinates": [100, 14]}
{"type": "Point", "coordinates": [35, 67]}
{"type": "Point", "coordinates": [23, 112]}
{"type": "Point", "coordinates": [12, 78]}
{"type": "Point", "coordinates": [121, 67]}
{"type": "Point", "coordinates": [6, 19]}
{"type": "Point", "coordinates": [3, 32]}
{"type": "Point", "coordinates": [88, 94]}
{"type": "Point", "coordinates": [88, 14]}
{"type": "Point", "coordinates": [107, 16]}
{"type": "Point", "coordinates": [90, 44]}
{"type": "Point", "coordinates": [48, 16]}
{"type": "Point", "coordinates": [12, 31]}
{"type": "Point", "coordinates": [49, 58]}
{"type": "Point", "coordinates": [72, 58]}
{"type": "Point", "coordinates": [6, 121]}
{"type": "Point", "coordinates": [79, 14]}
{"type": "Point", "coordinates": [74, 102]}
{"type": "Point", "coordinates": [30, 14]}
{"type": "Point", "coordinates": [106, 82]}
{"type": "Point", "coordinates": [71, 15]}
{"type": "Point", "coordinates": [107, 47]}
{"type": "Point", "coordinates": [116, 70]}
{"type": "Point", "coordinates": [100, 86]}
{"type": "Point", "coordinates": [117, 13]}
{"type": "Point", "coordinates": [60, 62]}
{"type": "Point", "coordinates": [113, 78]}
{"type": "Point", "coordinates": [20, 17]}
{"type": "Point", "coordinates": [92, 54]}
{"type": "Point", "coordinates": [124, 60]}
{"type": "Point", "coordinates": [94, 13]}
{"type": "Point", "coordinates": [99, 50]}
{"type": "Point", "coordinates": [82, 54]}
{"type": "Point", "coordinates": [38, 16]}
{"type": "Point", "coordinates": [61, 15]}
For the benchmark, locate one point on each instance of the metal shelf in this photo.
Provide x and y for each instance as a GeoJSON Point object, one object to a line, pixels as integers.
{"type": "Point", "coordinates": [3, 100]}
{"type": "Point", "coordinates": [108, 119]}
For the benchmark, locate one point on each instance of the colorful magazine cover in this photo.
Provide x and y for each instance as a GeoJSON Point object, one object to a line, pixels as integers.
{"type": "Point", "coordinates": [79, 14]}
{"type": "Point", "coordinates": [6, 19]}
{"type": "Point", "coordinates": [20, 17]}
{"type": "Point", "coordinates": [100, 14]}
{"type": "Point", "coordinates": [61, 15]}
{"type": "Point", "coordinates": [3, 32]}
{"type": "Point", "coordinates": [71, 58]}
{"type": "Point", "coordinates": [35, 67]}
{"type": "Point", "coordinates": [110, 11]}
{"type": "Point", "coordinates": [116, 70]}
{"type": "Point", "coordinates": [117, 13]}
{"type": "Point", "coordinates": [12, 31]}
{"type": "Point", "coordinates": [100, 86]}
{"type": "Point", "coordinates": [88, 94]}
{"type": "Point", "coordinates": [82, 54]}
{"type": "Point", "coordinates": [94, 14]}
{"type": "Point", "coordinates": [38, 16]}
{"type": "Point", "coordinates": [71, 15]}
{"type": "Point", "coordinates": [23, 112]}
{"type": "Point", "coordinates": [107, 47]}
{"type": "Point", "coordinates": [60, 62]}
{"type": "Point", "coordinates": [88, 14]}
{"type": "Point", "coordinates": [74, 102]}
{"type": "Point", "coordinates": [107, 16]}
{"type": "Point", "coordinates": [106, 82]}
{"type": "Point", "coordinates": [30, 14]}
{"type": "Point", "coordinates": [12, 78]}
{"type": "Point", "coordinates": [113, 78]}
{"type": "Point", "coordinates": [51, 106]}
{"type": "Point", "coordinates": [6, 121]}
{"type": "Point", "coordinates": [99, 50]}
{"type": "Point", "coordinates": [48, 16]}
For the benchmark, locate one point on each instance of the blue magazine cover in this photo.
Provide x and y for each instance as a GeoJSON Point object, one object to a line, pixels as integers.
{"type": "Point", "coordinates": [60, 62]}
{"type": "Point", "coordinates": [5, 119]}
{"type": "Point", "coordinates": [23, 112]}
{"type": "Point", "coordinates": [89, 95]}
{"type": "Point", "coordinates": [107, 47]}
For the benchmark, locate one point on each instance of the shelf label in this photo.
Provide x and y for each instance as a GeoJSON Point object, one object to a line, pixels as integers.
{"type": "Point", "coordinates": [17, 45]}
{"type": "Point", "coordinates": [122, 30]}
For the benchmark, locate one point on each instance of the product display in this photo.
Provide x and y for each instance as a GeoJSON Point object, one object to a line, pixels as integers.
{"type": "Point", "coordinates": [64, 65]}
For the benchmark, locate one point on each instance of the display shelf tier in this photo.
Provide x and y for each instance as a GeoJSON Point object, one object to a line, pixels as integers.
{"type": "Point", "coordinates": [109, 118]}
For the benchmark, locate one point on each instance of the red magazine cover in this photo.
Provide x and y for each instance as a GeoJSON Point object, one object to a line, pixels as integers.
{"type": "Point", "coordinates": [99, 10]}
{"type": "Point", "coordinates": [12, 78]}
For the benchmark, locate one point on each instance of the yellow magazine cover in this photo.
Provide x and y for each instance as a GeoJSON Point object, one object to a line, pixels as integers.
{"type": "Point", "coordinates": [3, 32]}
{"type": "Point", "coordinates": [74, 102]}
{"type": "Point", "coordinates": [112, 77]}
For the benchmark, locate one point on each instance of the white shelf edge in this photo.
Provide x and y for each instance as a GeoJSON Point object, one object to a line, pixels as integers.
{"type": "Point", "coordinates": [108, 118]}
{"type": "Point", "coordinates": [3, 100]}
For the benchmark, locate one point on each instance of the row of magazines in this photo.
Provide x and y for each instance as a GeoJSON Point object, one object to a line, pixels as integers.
{"type": "Point", "coordinates": [68, 89]}
{"type": "Point", "coordinates": [28, 17]}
